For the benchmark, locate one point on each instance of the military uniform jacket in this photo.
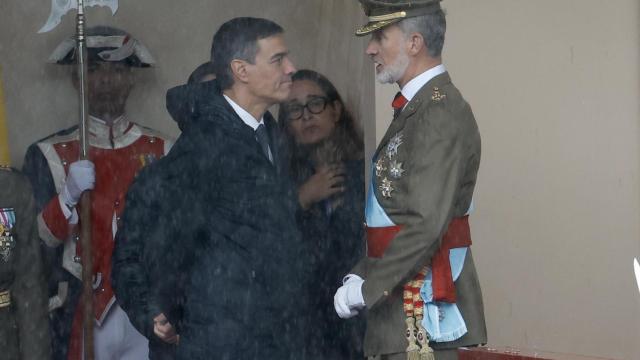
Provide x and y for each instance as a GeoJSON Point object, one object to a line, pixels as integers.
{"type": "Point", "coordinates": [424, 175]}
{"type": "Point", "coordinates": [24, 330]}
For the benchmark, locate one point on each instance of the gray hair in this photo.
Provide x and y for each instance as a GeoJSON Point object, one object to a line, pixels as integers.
{"type": "Point", "coordinates": [432, 27]}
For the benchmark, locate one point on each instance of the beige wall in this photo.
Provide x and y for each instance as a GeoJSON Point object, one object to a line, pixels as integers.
{"type": "Point", "coordinates": [554, 86]}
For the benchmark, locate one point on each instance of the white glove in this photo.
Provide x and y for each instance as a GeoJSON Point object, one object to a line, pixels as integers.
{"type": "Point", "coordinates": [81, 177]}
{"type": "Point", "coordinates": [348, 299]}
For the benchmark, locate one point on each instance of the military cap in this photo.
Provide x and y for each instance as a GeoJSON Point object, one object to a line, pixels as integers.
{"type": "Point", "coordinates": [105, 43]}
{"type": "Point", "coordinates": [382, 13]}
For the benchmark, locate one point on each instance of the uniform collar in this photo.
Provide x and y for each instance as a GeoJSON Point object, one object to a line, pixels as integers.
{"type": "Point", "coordinates": [411, 88]}
{"type": "Point", "coordinates": [244, 114]}
{"type": "Point", "coordinates": [114, 136]}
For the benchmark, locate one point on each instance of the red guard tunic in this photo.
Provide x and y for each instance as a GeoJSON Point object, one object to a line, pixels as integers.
{"type": "Point", "coordinates": [118, 153]}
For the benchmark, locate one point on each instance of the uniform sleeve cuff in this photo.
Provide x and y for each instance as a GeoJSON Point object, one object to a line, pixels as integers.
{"type": "Point", "coordinates": [354, 292]}
{"type": "Point", "coordinates": [350, 277]}
{"type": "Point", "coordinates": [69, 213]}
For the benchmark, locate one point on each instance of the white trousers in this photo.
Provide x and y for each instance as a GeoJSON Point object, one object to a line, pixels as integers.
{"type": "Point", "coordinates": [117, 339]}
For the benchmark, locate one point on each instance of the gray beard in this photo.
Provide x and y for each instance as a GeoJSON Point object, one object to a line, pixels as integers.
{"type": "Point", "coordinates": [393, 72]}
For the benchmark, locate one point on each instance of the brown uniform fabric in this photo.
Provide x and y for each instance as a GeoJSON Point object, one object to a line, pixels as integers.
{"type": "Point", "coordinates": [439, 152]}
{"type": "Point", "coordinates": [24, 329]}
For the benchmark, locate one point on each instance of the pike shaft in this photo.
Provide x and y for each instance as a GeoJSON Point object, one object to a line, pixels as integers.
{"type": "Point", "coordinates": [85, 201]}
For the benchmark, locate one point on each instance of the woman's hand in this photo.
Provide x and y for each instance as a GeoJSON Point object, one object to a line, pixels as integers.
{"type": "Point", "coordinates": [328, 180]}
{"type": "Point", "coordinates": [164, 330]}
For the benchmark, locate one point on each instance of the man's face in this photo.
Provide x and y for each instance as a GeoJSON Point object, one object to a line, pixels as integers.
{"type": "Point", "coordinates": [269, 78]}
{"type": "Point", "coordinates": [108, 84]}
{"type": "Point", "coordinates": [387, 49]}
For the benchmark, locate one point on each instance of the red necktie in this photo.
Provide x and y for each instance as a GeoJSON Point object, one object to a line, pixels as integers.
{"type": "Point", "coordinates": [399, 101]}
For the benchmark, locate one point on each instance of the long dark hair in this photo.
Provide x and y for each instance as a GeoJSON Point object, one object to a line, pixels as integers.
{"type": "Point", "coordinates": [345, 142]}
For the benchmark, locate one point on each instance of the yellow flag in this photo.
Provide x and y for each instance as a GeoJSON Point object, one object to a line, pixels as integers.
{"type": "Point", "coordinates": [4, 136]}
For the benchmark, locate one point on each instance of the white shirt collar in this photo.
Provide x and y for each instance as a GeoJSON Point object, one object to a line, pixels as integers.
{"type": "Point", "coordinates": [244, 115]}
{"type": "Point", "coordinates": [411, 88]}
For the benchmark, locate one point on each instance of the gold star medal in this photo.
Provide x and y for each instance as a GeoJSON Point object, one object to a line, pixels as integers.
{"type": "Point", "coordinates": [386, 187]}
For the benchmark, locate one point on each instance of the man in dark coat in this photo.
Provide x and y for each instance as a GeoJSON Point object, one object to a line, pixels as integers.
{"type": "Point", "coordinates": [145, 203]}
{"type": "Point", "coordinates": [224, 234]}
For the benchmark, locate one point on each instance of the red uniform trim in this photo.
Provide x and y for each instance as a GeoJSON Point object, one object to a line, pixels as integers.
{"type": "Point", "coordinates": [379, 238]}
{"type": "Point", "coordinates": [54, 218]}
{"type": "Point", "coordinates": [458, 235]}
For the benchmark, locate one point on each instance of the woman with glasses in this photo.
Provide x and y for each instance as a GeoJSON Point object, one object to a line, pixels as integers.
{"type": "Point", "coordinates": [325, 161]}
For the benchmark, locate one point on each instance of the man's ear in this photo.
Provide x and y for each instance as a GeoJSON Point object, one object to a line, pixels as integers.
{"type": "Point", "coordinates": [416, 43]}
{"type": "Point", "coordinates": [239, 70]}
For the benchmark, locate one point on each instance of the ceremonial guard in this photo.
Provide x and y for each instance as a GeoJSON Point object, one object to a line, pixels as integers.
{"type": "Point", "coordinates": [418, 280]}
{"type": "Point", "coordinates": [24, 332]}
{"type": "Point", "coordinates": [119, 149]}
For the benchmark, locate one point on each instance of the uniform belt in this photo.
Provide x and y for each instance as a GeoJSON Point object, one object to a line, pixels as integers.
{"type": "Point", "coordinates": [5, 298]}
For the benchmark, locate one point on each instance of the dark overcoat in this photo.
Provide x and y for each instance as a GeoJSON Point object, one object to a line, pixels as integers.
{"type": "Point", "coordinates": [225, 244]}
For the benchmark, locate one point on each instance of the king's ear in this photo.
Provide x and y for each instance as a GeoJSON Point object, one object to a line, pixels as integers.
{"type": "Point", "coordinates": [416, 43]}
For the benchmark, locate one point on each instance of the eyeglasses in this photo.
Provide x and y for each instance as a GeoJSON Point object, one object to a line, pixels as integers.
{"type": "Point", "coordinates": [315, 106]}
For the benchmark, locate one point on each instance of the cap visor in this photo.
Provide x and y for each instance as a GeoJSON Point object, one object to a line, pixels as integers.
{"type": "Point", "coordinates": [373, 26]}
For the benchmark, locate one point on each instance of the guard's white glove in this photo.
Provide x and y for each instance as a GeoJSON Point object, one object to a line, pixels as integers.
{"type": "Point", "coordinates": [81, 177]}
{"type": "Point", "coordinates": [348, 298]}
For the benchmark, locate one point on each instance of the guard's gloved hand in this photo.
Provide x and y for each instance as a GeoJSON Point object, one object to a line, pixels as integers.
{"type": "Point", "coordinates": [348, 299]}
{"type": "Point", "coordinates": [81, 177]}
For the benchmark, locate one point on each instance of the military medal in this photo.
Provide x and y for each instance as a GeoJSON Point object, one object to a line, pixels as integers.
{"type": "Point", "coordinates": [395, 169]}
{"type": "Point", "coordinates": [146, 159]}
{"type": "Point", "coordinates": [380, 168]}
{"type": "Point", "coordinates": [386, 187]}
{"type": "Point", "coordinates": [393, 145]}
{"type": "Point", "coordinates": [7, 242]}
